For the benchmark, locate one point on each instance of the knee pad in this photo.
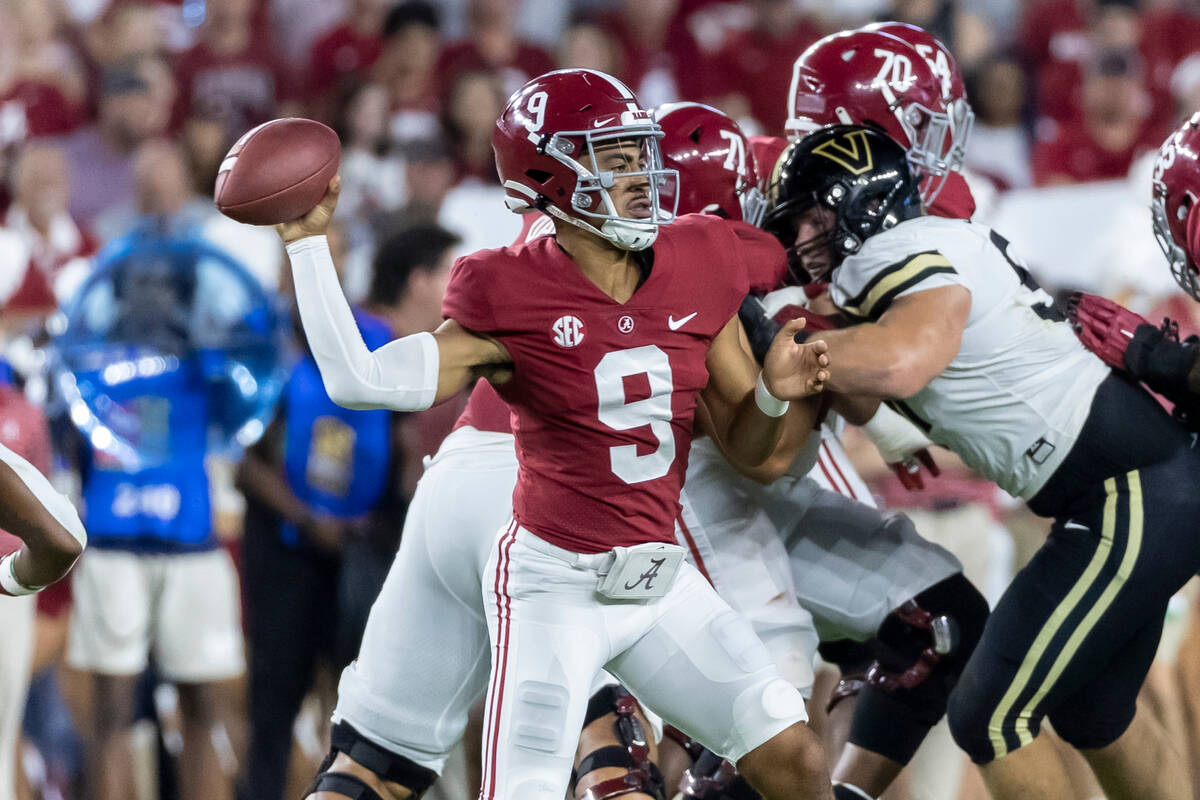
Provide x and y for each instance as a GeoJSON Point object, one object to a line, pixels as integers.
{"type": "Point", "coordinates": [389, 766]}
{"type": "Point", "coordinates": [633, 754]}
{"type": "Point", "coordinates": [925, 643]}
{"type": "Point", "coordinates": [344, 784]}
{"type": "Point", "coordinates": [713, 778]}
{"type": "Point", "coordinates": [922, 649]}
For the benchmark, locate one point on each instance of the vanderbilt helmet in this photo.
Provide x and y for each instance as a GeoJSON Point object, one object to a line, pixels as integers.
{"type": "Point", "coordinates": [1175, 205]}
{"type": "Point", "coordinates": [859, 181]}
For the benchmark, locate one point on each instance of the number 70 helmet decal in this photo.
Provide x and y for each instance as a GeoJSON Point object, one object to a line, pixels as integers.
{"type": "Point", "coordinates": [873, 78]}
{"type": "Point", "coordinates": [566, 138]}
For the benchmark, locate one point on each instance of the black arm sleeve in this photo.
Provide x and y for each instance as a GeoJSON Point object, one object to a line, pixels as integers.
{"type": "Point", "coordinates": [1157, 358]}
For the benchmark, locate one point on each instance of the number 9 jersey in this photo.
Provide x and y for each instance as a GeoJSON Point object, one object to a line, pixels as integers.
{"type": "Point", "coordinates": [1013, 400]}
{"type": "Point", "coordinates": [603, 393]}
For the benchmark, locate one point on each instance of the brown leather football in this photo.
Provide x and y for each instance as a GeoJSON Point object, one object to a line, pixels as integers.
{"type": "Point", "coordinates": [277, 172]}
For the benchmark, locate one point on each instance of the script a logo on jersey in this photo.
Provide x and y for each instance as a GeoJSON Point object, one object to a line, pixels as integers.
{"type": "Point", "coordinates": [567, 331]}
{"type": "Point", "coordinates": [851, 151]}
{"type": "Point", "coordinates": [649, 575]}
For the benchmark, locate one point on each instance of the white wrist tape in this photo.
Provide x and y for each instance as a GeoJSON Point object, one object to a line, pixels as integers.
{"type": "Point", "coordinates": [402, 375]}
{"type": "Point", "coordinates": [768, 403]}
{"type": "Point", "coordinates": [9, 581]}
{"type": "Point", "coordinates": [895, 437]}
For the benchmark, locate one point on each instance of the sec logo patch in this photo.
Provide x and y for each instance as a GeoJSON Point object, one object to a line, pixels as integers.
{"type": "Point", "coordinates": [567, 331]}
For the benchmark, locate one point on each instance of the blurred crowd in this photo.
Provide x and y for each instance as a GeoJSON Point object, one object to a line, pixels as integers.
{"type": "Point", "coordinates": [115, 116]}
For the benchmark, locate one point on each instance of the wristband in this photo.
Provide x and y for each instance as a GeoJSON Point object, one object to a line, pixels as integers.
{"type": "Point", "coordinates": [768, 403]}
{"type": "Point", "coordinates": [9, 581]}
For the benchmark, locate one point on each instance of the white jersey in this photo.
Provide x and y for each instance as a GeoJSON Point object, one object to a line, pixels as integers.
{"type": "Point", "coordinates": [1014, 398]}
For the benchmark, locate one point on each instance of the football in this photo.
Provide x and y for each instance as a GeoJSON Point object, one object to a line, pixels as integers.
{"type": "Point", "coordinates": [277, 172]}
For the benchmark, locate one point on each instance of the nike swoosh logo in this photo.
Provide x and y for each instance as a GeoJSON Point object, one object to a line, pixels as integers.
{"type": "Point", "coordinates": [1072, 525]}
{"type": "Point", "coordinates": [676, 324]}
{"type": "Point", "coordinates": [600, 123]}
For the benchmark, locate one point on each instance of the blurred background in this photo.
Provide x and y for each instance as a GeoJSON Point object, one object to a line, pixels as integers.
{"type": "Point", "coordinates": [150, 342]}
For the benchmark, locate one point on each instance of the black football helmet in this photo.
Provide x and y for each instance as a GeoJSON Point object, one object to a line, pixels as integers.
{"type": "Point", "coordinates": [858, 175]}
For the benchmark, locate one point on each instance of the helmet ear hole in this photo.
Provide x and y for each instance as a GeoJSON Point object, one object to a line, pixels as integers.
{"type": "Point", "coordinates": [538, 176]}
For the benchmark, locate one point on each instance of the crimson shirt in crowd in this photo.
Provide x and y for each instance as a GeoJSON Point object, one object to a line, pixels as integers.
{"type": "Point", "coordinates": [1072, 153]}
{"type": "Point", "coordinates": [242, 89]}
{"type": "Point", "coordinates": [1054, 37]}
{"type": "Point", "coordinates": [339, 54]}
{"type": "Point", "coordinates": [32, 108]}
{"type": "Point", "coordinates": [759, 67]}
{"type": "Point", "coordinates": [463, 56]}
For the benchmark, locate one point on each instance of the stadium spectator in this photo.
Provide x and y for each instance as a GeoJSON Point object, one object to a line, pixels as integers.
{"type": "Point", "coordinates": [406, 66]}
{"type": "Point", "coordinates": [155, 580]}
{"type": "Point", "coordinates": [751, 73]}
{"type": "Point", "coordinates": [232, 72]}
{"type": "Point", "coordinates": [100, 156]}
{"type": "Point", "coordinates": [492, 45]}
{"type": "Point", "coordinates": [41, 79]}
{"type": "Point", "coordinates": [126, 31]}
{"type": "Point", "coordinates": [341, 59]}
{"type": "Point", "coordinates": [585, 45]}
{"type": "Point", "coordinates": [1115, 128]}
{"type": "Point", "coordinates": [411, 269]}
{"type": "Point", "coordinates": [962, 31]}
{"type": "Point", "coordinates": [473, 103]}
{"type": "Point", "coordinates": [1059, 37]}
{"type": "Point", "coordinates": [999, 147]}
{"type": "Point", "coordinates": [314, 476]}
{"type": "Point", "coordinates": [660, 57]}
{"type": "Point", "coordinates": [57, 248]}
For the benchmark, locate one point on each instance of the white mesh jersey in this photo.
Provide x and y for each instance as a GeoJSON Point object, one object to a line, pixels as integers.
{"type": "Point", "coordinates": [1014, 398]}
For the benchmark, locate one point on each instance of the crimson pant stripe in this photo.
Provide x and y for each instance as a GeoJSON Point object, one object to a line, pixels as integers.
{"type": "Point", "coordinates": [503, 614]}
{"type": "Point", "coordinates": [833, 461]}
{"type": "Point", "coordinates": [828, 475]}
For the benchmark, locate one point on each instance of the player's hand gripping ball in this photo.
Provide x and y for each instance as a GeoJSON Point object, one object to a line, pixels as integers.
{"type": "Point", "coordinates": [277, 172]}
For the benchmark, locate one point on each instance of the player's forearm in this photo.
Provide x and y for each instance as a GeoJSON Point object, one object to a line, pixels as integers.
{"type": "Point", "coordinates": [33, 511]}
{"type": "Point", "coordinates": [752, 435]}
{"type": "Point", "coordinates": [402, 375]}
{"type": "Point", "coordinates": [871, 361]}
{"type": "Point", "coordinates": [799, 424]}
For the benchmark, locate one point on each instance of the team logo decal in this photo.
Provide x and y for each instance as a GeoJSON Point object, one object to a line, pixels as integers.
{"type": "Point", "coordinates": [625, 324]}
{"type": "Point", "coordinates": [851, 151]}
{"type": "Point", "coordinates": [567, 331]}
{"type": "Point", "coordinates": [649, 575]}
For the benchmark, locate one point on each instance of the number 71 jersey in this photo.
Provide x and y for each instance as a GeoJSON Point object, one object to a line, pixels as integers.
{"type": "Point", "coordinates": [603, 393]}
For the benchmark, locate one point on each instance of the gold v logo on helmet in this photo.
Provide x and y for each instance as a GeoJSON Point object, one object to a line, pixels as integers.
{"type": "Point", "coordinates": [851, 151]}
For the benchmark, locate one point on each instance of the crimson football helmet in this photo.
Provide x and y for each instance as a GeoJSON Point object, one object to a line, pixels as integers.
{"type": "Point", "coordinates": [875, 79]}
{"type": "Point", "coordinates": [717, 170]}
{"type": "Point", "coordinates": [555, 144]}
{"type": "Point", "coordinates": [954, 91]}
{"type": "Point", "coordinates": [1175, 202]}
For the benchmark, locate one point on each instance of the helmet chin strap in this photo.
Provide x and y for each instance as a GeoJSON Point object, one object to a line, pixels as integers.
{"type": "Point", "coordinates": [626, 234]}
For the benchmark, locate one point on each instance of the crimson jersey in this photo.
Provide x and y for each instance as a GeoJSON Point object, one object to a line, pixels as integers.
{"type": "Point", "coordinates": [955, 200]}
{"type": "Point", "coordinates": [485, 410]}
{"type": "Point", "coordinates": [603, 393]}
